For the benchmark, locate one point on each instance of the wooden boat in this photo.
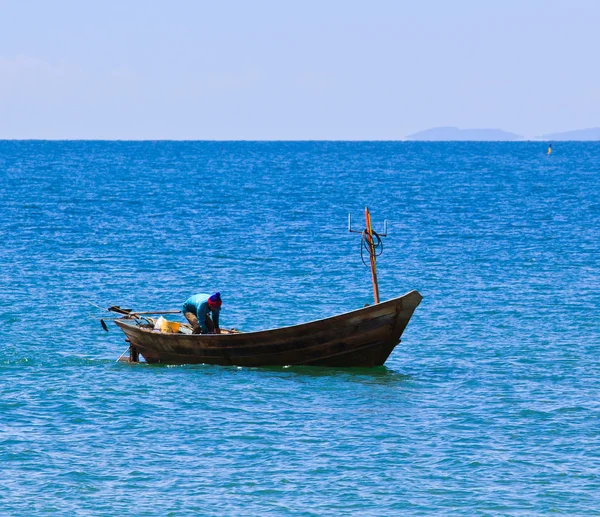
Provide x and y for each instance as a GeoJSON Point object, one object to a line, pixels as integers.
{"type": "Point", "coordinates": [364, 337]}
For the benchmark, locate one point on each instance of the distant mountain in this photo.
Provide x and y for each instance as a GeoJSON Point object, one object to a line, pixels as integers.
{"type": "Point", "coordinates": [579, 134]}
{"type": "Point", "coordinates": [454, 134]}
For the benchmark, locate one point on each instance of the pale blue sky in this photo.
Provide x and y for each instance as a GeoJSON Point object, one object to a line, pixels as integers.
{"type": "Point", "coordinates": [295, 70]}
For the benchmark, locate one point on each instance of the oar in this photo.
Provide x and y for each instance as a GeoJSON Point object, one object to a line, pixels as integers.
{"type": "Point", "coordinates": [104, 320]}
{"type": "Point", "coordinates": [133, 315]}
{"type": "Point", "coordinates": [156, 312]}
{"type": "Point", "coordinates": [130, 314]}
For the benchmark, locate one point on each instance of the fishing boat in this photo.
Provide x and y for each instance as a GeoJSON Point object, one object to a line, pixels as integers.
{"type": "Point", "coordinates": [364, 337]}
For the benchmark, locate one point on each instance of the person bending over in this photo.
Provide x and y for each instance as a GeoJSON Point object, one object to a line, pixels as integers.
{"type": "Point", "coordinates": [198, 308]}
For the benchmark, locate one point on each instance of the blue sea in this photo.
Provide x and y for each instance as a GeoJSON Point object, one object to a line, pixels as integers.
{"type": "Point", "coordinates": [489, 406]}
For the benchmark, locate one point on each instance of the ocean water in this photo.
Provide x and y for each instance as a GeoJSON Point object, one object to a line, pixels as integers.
{"type": "Point", "coordinates": [489, 406]}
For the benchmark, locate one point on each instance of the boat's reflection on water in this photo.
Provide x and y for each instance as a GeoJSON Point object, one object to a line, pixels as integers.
{"type": "Point", "coordinates": [377, 375]}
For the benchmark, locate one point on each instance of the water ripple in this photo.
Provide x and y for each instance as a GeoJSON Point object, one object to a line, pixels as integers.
{"type": "Point", "coordinates": [489, 406]}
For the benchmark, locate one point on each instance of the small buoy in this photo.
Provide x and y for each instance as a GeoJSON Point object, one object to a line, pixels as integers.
{"type": "Point", "coordinates": [102, 322]}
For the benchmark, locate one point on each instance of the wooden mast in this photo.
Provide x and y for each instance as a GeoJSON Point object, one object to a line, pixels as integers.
{"type": "Point", "coordinates": [372, 255]}
{"type": "Point", "coordinates": [371, 241]}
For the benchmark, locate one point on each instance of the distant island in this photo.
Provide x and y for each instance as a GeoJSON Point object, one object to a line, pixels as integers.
{"type": "Point", "coordinates": [578, 134]}
{"type": "Point", "coordinates": [457, 134]}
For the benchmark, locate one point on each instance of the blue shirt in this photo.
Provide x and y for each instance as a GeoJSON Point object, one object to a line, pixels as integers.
{"type": "Point", "coordinates": [198, 305]}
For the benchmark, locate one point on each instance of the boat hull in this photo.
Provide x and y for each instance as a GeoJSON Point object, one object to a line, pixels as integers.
{"type": "Point", "coordinates": [363, 338]}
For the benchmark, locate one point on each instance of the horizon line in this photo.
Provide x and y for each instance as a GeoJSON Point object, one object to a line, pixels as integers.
{"type": "Point", "coordinates": [522, 140]}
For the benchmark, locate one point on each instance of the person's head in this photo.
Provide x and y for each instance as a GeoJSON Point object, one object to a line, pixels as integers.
{"type": "Point", "coordinates": [214, 301]}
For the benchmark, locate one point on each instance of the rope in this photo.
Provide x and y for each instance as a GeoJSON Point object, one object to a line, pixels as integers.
{"type": "Point", "coordinates": [122, 354]}
{"type": "Point", "coordinates": [364, 245]}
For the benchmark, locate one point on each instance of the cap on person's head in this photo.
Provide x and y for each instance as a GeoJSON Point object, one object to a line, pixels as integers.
{"type": "Point", "coordinates": [214, 301]}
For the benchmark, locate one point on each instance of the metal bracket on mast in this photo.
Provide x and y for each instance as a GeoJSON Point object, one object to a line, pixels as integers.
{"type": "Point", "coordinates": [384, 234]}
{"type": "Point", "coordinates": [371, 241]}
